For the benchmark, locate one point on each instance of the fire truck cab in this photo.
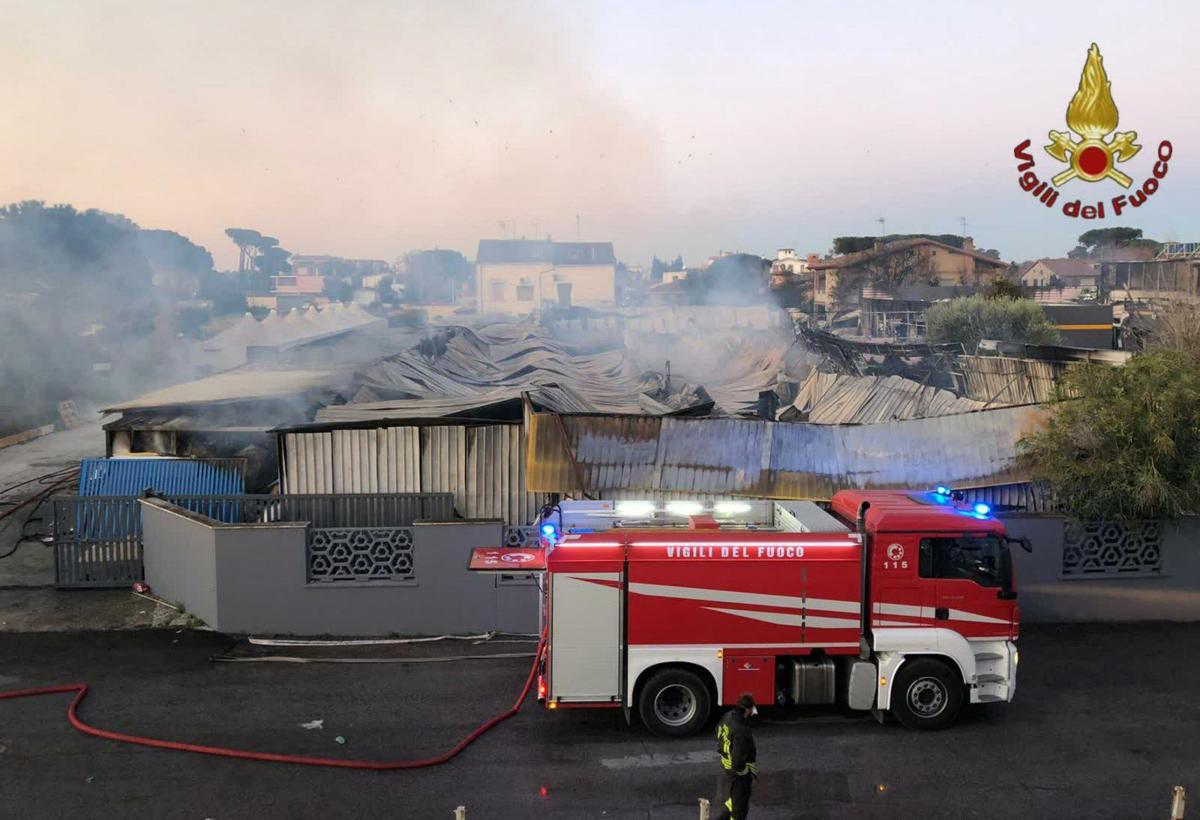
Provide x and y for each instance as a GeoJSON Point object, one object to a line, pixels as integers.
{"type": "Point", "coordinates": [895, 602]}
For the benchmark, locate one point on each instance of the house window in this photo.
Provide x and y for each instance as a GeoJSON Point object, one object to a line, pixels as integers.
{"type": "Point", "coordinates": [497, 290]}
{"type": "Point", "coordinates": [524, 292]}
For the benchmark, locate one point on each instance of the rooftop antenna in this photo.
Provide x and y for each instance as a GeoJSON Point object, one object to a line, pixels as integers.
{"type": "Point", "coordinates": [962, 220]}
{"type": "Point", "coordinates": [576, 226]}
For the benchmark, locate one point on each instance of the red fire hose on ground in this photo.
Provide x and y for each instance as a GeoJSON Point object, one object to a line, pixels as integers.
{"type": "Point", "coordinates": [81, 690]}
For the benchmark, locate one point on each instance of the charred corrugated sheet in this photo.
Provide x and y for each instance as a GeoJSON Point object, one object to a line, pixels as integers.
{"type": "Point", "coordinates": [1004, 380]}
{"type": "Point", "coordinates": [830, 398]}
{"type": "Point", "coordinates": [601, 454]}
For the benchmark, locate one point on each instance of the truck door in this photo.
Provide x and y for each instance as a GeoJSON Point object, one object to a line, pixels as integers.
{"type": "Point", "coordinates": [968, 570]}
{"type": "Point", "coordinates": [901, 598]}
{"type": "Point", "coordinates": [585, 636]}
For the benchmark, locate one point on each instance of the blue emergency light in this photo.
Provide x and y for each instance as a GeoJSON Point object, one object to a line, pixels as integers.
{"type": "Point", "coordinates": [982, 509]}
{"type": "Point", "coordinates": [942, 490]}
{"type": "Point", "coordinates": [548, 531]}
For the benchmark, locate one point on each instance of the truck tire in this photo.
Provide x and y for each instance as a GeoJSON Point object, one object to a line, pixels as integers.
{"type": "Point", "coordinates": [674, 702]}
{"type": "Point", "coordinates": [927, 694]}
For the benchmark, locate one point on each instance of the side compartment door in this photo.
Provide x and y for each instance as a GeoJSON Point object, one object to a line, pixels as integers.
{"type": "Point", "coordinates": [585, 636]}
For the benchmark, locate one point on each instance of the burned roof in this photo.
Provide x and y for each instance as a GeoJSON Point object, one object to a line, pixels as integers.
{"type": "Point", "coordinates": [527, 251]}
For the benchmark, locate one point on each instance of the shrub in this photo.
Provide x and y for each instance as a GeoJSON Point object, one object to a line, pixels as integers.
{"type": "Point", "coordinates": [969, 319]}
{"type": "Point", "coordinates": [1129, 446]}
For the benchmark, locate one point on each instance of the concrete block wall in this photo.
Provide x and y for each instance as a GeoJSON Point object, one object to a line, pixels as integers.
{"type": "Point", "coordinates": [252, 578]}
{"type": "Point", "coordinates": [1046, 596]}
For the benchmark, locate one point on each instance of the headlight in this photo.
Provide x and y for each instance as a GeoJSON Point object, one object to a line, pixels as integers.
{"type": "Point", "coordinates": [1016, 656]}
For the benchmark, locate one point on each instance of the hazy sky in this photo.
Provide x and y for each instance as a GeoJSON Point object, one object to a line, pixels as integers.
{"type": "Point", "coordinates": [367, 129]}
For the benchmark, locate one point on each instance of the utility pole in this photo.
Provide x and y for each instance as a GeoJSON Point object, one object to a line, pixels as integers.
{"type": "Point", "coordinates": [882, 227]}
{"type": "Point", "coordinates": [576, 227]}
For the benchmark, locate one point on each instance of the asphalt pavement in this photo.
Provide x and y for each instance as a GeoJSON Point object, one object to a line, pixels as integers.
{"type": "Point", "coordinates": [1103, 726]}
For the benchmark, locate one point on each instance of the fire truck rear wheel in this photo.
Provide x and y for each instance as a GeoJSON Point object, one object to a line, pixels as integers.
{"type": "Point", "coordinates": [674, 702]}
{"type": "Point", "coordinates": [926, 694]}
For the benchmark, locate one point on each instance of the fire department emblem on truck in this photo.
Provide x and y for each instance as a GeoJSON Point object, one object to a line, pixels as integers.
{"type": "Point", "coordinates": [895, 557]}
{"type": "Point", "coordinates": [1092, 116]}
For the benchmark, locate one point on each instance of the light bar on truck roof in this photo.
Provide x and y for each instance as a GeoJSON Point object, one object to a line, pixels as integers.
{"type": "Point", "coordinates": [731, 507]}
{"type": "Point", "coordinates": [635, 509]}
{"type": "Point", "coordinates": [684, 507]}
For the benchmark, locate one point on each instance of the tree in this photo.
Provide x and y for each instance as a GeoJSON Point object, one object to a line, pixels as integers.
{"type": "Point", "coordinates": [247, 241]}
{"type": "Point", "coordinates": [1176, 327]}
{"type": "Point", "coordinates": [338, 290]}
{"type": "Point", "coordinates": [660, 266]}
{"type": "Point", "coordinates": [1095, 242]}
{"type": "Point", "coordinates": [1002, 289]}
{"type": "Point", "coordinates": [168, 250]}
{"type": "Point", "coordinates": [884, 270]}
{"type": "Point", "coordinates": [1123, 442]}
{"type": "Point", "coordinates": [434, 276]}
{"type": "Point", "coordinates": [272, 260]}
{"type": "Point", "coordinates": [1114, 237]}
{"type": "Point", "coordinates": [968, 320]}
{"type": "Point", "coordinates": [854, 244]}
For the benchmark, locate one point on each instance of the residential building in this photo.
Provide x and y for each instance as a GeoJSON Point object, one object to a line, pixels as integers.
{"type": "Point", "coordinates": [298, 284]}
{"type": "Point", "coordinates": [788, 264]}
{"type": "Point", "coordinates": [522, 275]}
{"type": "Point", "coordinates": [917, 261]}
{"type": "Point", "coordinates": [1062, 273]}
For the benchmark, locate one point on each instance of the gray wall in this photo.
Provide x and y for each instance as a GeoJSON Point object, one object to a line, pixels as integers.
{"type": "Point", "coordinates": [182, 567]}
{"type": "Point", "coordinates": [252, 578]}
{"type": "Point", "coordinates": [1047, 597]}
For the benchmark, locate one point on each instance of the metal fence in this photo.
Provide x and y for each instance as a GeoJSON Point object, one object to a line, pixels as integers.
{"type": "Point", "coordinates": [98, 539]}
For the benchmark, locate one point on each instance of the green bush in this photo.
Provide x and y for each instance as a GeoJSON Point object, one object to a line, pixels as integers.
{"type": "Point", "coordinates": [972, 318]}
{"type": "Point", "coordinates": [1129, 446]}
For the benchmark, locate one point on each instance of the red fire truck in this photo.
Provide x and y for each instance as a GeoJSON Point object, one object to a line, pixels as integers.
{"type": "Point", "coordinates": [897, 602]}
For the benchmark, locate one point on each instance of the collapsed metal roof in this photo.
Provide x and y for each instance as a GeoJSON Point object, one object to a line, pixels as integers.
{"type": "Point", "coordinates": [829, 398]}
{"type": "Point", "coordinates": [463, 369]}
{"type": "Point", "coordinates": [601, 454]}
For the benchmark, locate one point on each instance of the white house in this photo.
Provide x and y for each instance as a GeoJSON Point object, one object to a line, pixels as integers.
{"type": "Point", "coordinates": [523, 275]}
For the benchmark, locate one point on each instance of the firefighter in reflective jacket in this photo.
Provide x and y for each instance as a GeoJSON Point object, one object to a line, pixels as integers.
{"type": "Point", "coordinates": [739, 760]}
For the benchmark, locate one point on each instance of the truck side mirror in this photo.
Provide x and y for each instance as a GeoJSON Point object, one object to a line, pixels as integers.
{"type": "Point", "coordinates": [1006, 591]}
{"type": "Point", "coordinates": [1023, 542]}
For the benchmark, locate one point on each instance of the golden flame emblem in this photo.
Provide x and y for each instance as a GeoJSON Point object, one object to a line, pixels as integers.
{"type": "Point", "coordinates": [1092, 114]}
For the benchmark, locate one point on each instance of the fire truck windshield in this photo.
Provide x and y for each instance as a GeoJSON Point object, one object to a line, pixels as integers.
{"type": "Point", "coordinates": [975, 558]}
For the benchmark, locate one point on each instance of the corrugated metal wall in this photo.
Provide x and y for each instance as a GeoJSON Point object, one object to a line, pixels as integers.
{"type": "Point", "coordinates": [178, 476]}
{"type": "Point", "coordinates": [751, 457]}
{"type": "Point", "coordinates": [483, 466]}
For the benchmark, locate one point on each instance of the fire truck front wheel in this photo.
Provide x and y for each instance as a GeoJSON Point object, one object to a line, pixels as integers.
{"type": "Point", "coordinates": [926, 694]}
{"type": "Point", "coordinates": [674, 702]}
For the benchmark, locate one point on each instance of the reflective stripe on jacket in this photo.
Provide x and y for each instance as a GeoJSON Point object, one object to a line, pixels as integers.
{"type": "Point", "coordinates": [735, 744]}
